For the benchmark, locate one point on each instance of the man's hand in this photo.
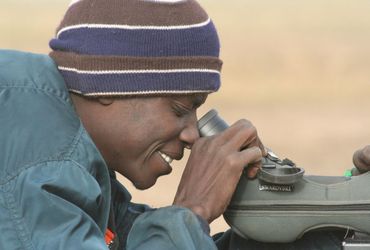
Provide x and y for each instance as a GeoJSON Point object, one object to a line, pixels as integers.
{"type": "Point", "coordinates": [214, 169]}
{"type": "Point", "coordinates": [361, 159]}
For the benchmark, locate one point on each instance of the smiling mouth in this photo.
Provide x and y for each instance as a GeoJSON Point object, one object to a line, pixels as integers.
{"type": "Point", "coordinates": [165, 157]}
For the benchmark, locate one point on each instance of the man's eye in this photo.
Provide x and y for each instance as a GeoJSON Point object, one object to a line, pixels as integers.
{"type": "Point", "coordinates": [180, 112]}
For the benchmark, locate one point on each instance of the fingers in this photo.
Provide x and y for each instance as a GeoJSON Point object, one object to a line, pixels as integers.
{"type": "Point", "coordinates": [248, 156]}
{"type": "Point", "coordinates": [365, 155]}
{"type": "Point", "coordinates": [241, 146]}
{"type": "Point", "coordinates": [361, 159]}
{"type": "Point", "coordinates": [241, 135]}
{"type": "Point", "coordinates": [262, 147]}
{"type": "Point", "coordinates": [230, 132]}
{"type": "Point", "coordinates": [244, 133]}
{"type": "Point", "coordinates": [253, 169]}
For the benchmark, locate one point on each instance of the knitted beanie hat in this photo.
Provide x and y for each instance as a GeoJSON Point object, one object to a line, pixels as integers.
{"type": "Point", "coordinates": [137, 47]}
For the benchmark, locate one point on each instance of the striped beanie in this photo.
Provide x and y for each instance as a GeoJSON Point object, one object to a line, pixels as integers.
{"type": "Point", "coordinates": [137, 47]}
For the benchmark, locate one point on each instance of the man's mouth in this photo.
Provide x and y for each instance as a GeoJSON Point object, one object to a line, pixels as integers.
{"type": "Point", "coordinates": [165, 157]}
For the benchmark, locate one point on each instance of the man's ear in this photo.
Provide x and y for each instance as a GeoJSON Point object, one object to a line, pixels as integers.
{"type": "Point", "coordinates": [105, 101]}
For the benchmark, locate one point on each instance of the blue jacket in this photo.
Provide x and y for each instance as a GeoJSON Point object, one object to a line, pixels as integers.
{"type": "Point", "coordinates": [55, 189]}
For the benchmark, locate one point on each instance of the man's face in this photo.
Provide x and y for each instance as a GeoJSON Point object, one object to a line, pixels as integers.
{"type": "Point", "coordinates": [139, 137]}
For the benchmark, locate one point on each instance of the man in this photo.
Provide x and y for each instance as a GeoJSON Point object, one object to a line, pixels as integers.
{"type": "Point", "coordinates": [119, 92]}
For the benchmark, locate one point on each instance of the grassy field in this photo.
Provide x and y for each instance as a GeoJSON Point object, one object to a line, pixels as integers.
{"type": "Point", "coordinates": [299, 70]}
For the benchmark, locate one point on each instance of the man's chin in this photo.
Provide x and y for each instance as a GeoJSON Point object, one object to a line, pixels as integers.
{"type": "Point", "coordinates": [144, 185]}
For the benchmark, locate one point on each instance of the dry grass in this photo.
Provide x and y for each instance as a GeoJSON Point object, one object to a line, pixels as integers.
{"type": "Point", "coordinates": [298, 69]}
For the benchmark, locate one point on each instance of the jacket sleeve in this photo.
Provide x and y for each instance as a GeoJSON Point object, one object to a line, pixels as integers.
{"type": "Point", "coordinates": [169, 228]}
{"type": "Point", "coordinates": [58, 205]}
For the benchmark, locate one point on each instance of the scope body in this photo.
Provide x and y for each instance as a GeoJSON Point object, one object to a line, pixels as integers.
{"type": "Point", "coordinates": [282, 203]}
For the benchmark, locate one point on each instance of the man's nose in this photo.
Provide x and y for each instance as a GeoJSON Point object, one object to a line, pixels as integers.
{"type": "Point", "coordinates": [190, 133]}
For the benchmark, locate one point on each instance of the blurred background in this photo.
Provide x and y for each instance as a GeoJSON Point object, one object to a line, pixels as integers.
{"type": "Point", "coordinates": [299, 70]}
